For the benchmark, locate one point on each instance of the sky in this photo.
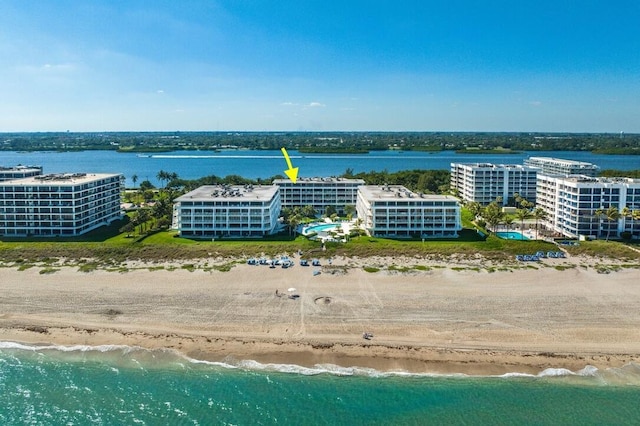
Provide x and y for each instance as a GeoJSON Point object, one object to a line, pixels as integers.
{"type": "Point", "coordinates": [264, 65]}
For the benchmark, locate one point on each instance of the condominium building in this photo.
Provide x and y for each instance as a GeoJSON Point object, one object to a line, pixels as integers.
{"type": "Point", "coordinates": [319, 192]}
{"type": "Point", "coordinates": [59, 204]}
{"type": "Point", "coordinates": [557, 166]}
{"type": "Point", "coordinates": [212, 211]}
{"type": "Point", "coordinates": [571, 203]}
{"type": "Point", "coordinates": [394, 211]}
{"type": "Point", "coordinates": [485, 182]}
{"type": "Point", "coordinates": [19, 172]}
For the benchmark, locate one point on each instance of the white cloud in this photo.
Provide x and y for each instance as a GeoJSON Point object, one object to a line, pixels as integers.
{"type": "Point", "coordinates": [48, 68]}
{"type": "Point", "coordinates": [316, 105]}
{"type": "Point", "coordinates": [535, 103]}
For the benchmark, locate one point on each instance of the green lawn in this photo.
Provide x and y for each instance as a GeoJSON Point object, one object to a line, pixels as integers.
{"type": "Point", "coordinates": [108, 246]}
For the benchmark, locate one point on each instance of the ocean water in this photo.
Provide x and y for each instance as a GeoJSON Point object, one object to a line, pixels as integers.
{"type": "Point", "coordinates": [265, 164]}
{"type": "Point", "coordinates": [126, 385]}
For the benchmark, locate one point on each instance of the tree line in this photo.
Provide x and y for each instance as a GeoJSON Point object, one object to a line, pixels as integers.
{"type": "Point", "coordinates": [339, 142]}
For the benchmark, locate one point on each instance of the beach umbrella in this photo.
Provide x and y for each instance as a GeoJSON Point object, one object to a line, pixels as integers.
{"type": "Point", "coordinates": [292, 289]}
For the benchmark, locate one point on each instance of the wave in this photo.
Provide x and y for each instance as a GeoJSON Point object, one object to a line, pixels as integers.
{"type": "Point", "coordinates": [139, 357]}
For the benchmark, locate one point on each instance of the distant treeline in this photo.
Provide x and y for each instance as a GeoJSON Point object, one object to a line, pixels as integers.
{"type": "Point", "coordinates": [634, 174]}
{"type": "Point", "coordinates": [324, 142]}
{"type": "Point", "coordinates": [428, 181]}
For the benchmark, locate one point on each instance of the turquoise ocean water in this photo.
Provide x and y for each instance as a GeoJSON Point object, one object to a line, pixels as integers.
{"type": "Point", "coordinates": [124, 385]}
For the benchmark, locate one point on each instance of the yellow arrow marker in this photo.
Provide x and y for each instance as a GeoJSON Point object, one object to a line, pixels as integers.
{"type": "Point", "coordinates": [292, 172]}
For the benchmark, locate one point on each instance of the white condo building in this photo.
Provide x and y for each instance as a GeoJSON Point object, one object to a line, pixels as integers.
{"type": "Point", "coordinates": [212, 211]}
{"type": "Point", "coordinates": [484, 182]}
{"type": "Point", "coordinates": [19, 172]}
{"type": "Point", "coordinates": [319, 192]}
{"type": "Point", "coordinates": [557, 166]}
{"type": "Point", "coordinates": [67, 204]}
{"type": "Point", "coordinates": [394, 211]}
{"type": "Point", "coordinates": [571, 203]}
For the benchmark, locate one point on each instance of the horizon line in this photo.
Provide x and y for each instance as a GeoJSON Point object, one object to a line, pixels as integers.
{"type": "Point", "coordinates": [325, 131]}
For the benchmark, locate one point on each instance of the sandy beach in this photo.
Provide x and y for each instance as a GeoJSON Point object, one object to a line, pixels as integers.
{"type": "Point", "coordinates": [440, 320]}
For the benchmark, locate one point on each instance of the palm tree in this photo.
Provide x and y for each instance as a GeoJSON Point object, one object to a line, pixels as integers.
{"type": "Point", "coordinates": [475, 208]}
{"type": "Point", "coordinates": [308, 211]}
{"type": "Point", "coordinates": [349, 211]}
{"type": "Point", "coordinates": [626, 213]}
{"type": "Point", "coordinates": [134, 179]}
{"type": "Point", "coordinates": [635, 215]}
{"type": "Point", "coordinates": [140, 217]}
{"type": "Point", "coordinates": [294, 221]}
{"type": "Point", "coordinates": [163, 176]}
{"type": "Point", "coordinates": [517, 198]}
{"type": "Point", "coordinates": [599, 214]}
{"type": "Point", "coordinates": [522, 214]}
{"type": "Point", "coordinates": [539, 214]}
{"type": "Point", "coordinates": [492, 214]}
{"type": "Point", "coordinates": [612, 214]}
{"type": "Point", "coordinates": [508, 221]}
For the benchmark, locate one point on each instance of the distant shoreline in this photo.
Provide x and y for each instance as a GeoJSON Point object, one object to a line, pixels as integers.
{"type": "Point", "coordinates": [338, 142]}
{"type": "Point", "coordinates": [346, 152]}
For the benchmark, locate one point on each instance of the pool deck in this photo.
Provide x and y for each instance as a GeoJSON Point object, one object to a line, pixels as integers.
{"type": "Point", "coordinates": [531, 234]}
{"type": "Point", "coordinates": [324, 235]}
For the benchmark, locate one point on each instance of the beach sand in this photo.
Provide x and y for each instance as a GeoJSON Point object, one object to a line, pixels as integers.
{"type": "Point", "coordinates": [442, 320]}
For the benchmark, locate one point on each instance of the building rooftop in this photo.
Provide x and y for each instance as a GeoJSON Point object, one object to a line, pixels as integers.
{"type": "Point", "coordinates": [399, 192]}
{"type": "Point", "coordinates": [319, 180]}
{"type": "Point", "coordinates": [59, 179]}
{"type": "Point", "coordinates": [230, 193]}
{"type": "Point", "coordinates": [588, 179]}
{"type": "Point", "coordinates": [20, 168]}
{"type": "Point", "coordinates": [562, 161]}
{"type": "Point", "coordinates": [495, 166]}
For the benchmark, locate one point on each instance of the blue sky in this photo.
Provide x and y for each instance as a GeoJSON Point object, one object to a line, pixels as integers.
{"type": "Point", "coordinates": [550, 66]}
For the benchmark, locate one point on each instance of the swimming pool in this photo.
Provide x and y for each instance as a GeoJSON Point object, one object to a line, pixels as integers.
{"type": "Point", "coordinates": [511, 235]}
{"type": "Point", "coordinates": [319, 228]}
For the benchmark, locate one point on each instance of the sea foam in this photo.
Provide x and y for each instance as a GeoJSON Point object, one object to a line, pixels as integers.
{"type": "Point", "coordinates": [139, 357]}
